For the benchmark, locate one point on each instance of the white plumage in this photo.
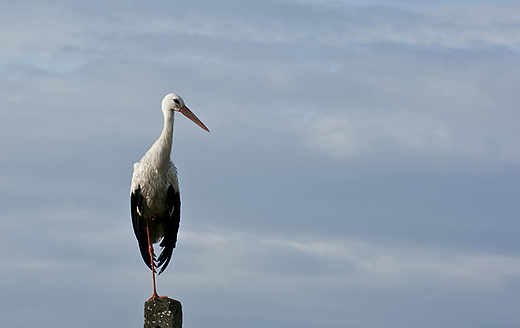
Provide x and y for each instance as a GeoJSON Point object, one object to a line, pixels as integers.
{"type": "Point", "coordinates": [154, 193]}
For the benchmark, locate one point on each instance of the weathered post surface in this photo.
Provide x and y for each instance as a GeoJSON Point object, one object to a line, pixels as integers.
{"type": "Point", "coordinates": [162, 312]}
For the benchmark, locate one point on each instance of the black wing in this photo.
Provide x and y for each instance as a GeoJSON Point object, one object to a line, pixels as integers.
{"type": "Point", "coordinates": [139, 223]}
{"type": "Point", "coordinates": [171, 228]}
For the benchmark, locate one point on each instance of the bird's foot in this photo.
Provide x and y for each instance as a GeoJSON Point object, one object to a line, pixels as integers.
{"type": "Point", "coordinates": [155, 295]}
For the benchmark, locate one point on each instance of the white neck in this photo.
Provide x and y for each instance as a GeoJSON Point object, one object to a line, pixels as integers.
{"type": "Point", "coordinates": [161, 149]}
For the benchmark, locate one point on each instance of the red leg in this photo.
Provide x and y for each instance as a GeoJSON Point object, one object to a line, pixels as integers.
{"type": "Point", "coordinates": [150, 249]}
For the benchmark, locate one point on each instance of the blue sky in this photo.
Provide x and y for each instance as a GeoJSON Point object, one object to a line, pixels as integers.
{"type": "Point", "coordinates": [362, 170]}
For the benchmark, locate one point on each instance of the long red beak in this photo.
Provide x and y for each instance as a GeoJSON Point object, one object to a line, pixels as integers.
{"type": "Point", "coordinates": [189, 114]}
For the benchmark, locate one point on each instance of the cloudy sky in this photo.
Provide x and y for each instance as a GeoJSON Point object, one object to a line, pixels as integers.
{"type": "Point", "coordinates": [362, 170]}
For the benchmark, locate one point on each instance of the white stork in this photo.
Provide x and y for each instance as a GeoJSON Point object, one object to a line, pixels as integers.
{"type": "Point", "coordinates": [154, 194]}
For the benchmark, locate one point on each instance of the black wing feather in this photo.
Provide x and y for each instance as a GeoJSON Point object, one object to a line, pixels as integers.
{"type": "Point", "coordinates": [139, 224]}
{"type": "Point", "coordinates": [171, 227]}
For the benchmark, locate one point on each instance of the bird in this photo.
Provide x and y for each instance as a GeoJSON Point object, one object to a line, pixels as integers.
{"type": "Point", "coordinates": [154, 193]}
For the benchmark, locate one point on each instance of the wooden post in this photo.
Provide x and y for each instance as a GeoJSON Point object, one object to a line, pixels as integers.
{"type": "Point", "coordinates": [162, 312]}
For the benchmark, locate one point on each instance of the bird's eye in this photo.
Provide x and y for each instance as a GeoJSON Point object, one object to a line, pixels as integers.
{"type": "Point", "coordinates": [176, 101]}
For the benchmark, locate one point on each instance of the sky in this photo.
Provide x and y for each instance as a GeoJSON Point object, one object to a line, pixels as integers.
{"type": "Point", "coordinates": [362, 170]}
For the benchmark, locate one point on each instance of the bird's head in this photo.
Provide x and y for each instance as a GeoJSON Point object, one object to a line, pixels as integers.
{"type": "Point", "coordinates": [173, 102]}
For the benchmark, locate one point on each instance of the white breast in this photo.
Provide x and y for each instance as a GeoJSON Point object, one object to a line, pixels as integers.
{"type": "Point", "coordinates": [154, 183]}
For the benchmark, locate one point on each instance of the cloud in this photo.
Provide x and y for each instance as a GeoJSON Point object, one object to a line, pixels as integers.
{"type": "Point", "coordinates": [331, 136]}
{"type": "Point", "coordinates": [219, 258]}
{"type": "Point", "coordinates": [228, 256]}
